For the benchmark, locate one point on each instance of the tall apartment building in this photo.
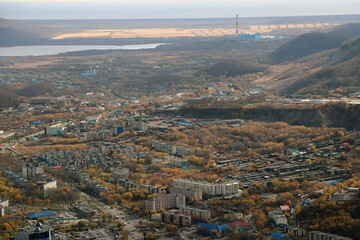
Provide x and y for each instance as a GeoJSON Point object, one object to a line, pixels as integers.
{"type": "Point", "coordinates": [195, 212]}
{"type": "Point", "coordinates": [45, 186]}
{"type": "Point", "coordinates": [3, 204]}
{"type": "Point", "coordinates": [166, 201]}
{"type": "Point", "coordinates": [191, 193]}
{"type": "Point", "coordinates": [32, 170]}
{"type": "Point", "coordinates": [211, 189]}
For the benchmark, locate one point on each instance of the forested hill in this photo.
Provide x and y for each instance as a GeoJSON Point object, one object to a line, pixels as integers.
{"type": "Point", "coordinates": [330, 115]}
{"type": "Point", "coordinates": [309, 43]}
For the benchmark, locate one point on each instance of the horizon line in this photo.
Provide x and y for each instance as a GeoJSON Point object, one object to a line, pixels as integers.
{"type": "Point", "coordinates": [185, 18]}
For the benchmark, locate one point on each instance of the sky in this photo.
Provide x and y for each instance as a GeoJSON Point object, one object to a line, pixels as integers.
{"type": "Point", "coordinates": [153, 9]}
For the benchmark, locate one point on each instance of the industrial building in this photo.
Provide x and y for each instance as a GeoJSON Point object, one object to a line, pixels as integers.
{"type": "Point", "coordinates": [39, 231]}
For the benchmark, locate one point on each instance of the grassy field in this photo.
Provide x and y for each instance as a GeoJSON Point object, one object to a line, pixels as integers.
{"type": "Point", "coordinates": [184, 32]}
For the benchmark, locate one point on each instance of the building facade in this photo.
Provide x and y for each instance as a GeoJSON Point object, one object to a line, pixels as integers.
{"type": "Point", "coordinates": [212, 189]}
{"type": "Point", "coordinates": [166, 201]}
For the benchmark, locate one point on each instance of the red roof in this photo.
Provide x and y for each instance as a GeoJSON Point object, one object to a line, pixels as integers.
{"type": "Point", "coordinates": [240, 224]}
{"type": "Point", "coordinates": [88, 108]}
{"type": "Point", "coordinates": [285, 207]}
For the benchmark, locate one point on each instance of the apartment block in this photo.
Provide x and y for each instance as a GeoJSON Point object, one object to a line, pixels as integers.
{"type": "Point", "coordinates": [166, 201]}
{"type": "Point", "coordinates": [173, 217]}
{"type": "Point", "coordinates": [316, 235]}
{"type": "Point", "coordinates": [194, 194]}
{"type": "Point", "coordinates": [195, 212]}
{"type": "Point", "coordinates": [44, 187]}
{"type": "Point", "coordinates": [212, 189]}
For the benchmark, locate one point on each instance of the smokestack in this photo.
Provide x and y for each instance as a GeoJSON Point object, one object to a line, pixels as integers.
{"type": "Point", "coordinates": [237, 25]}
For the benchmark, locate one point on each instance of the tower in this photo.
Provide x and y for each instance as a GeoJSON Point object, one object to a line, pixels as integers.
{"type": "Point", "coordinates": [237, 25]}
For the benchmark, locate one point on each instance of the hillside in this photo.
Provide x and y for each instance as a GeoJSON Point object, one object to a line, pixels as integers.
{"type": "Point", "coordinates": [309, 43]}
{"type": "Point", "coordinates": [330, 115]}
{"type": "Point", "coordinates": [342, 70]}
{"type": "Point", "coordinates": [232, 68]}
{"type": "Point", "coordinates": [14, 33]}
{"type": "Point", "coordinates": [35, 89]}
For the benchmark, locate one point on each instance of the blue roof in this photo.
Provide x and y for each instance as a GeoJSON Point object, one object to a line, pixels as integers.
{"type": "Point", "coordinates": [41, 214]}
{"type": "Point", "coordinates": [279, 235]}
{"type": "Point", "coordinates": [214, 227]}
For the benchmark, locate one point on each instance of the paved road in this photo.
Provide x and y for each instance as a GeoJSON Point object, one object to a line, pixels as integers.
{"type": "Point", "coordinates": [118, 214]}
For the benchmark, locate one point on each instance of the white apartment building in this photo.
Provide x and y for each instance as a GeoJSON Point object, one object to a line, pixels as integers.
{"type": "Point", "coordinates": [208, 188]}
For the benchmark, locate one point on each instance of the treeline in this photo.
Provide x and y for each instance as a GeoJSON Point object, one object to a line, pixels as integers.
{"type": "Point", "coordinates": [232, 68]}
{"type": "Point", "coordinates": [248, 139]}
{"type": "Point", "coordinates": [8, 98]}
{"type": "Point", "coordinates": [339, 114]}
{"type": "Point", "coordinates": [35, 89]}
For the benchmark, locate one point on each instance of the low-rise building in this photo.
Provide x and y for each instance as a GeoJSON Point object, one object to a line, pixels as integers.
{"type": "Point", "coordinates": [299, 232]}
{"type": "Point", "coordinates": [241, 226]}
{"type": "Point", "coordinates": [84, 211]}
{"type": "Point", "coordinates": [195, 212]}
{"type": "Point", "coordinates": [176, 218]}
{"type": "Point", "coordinates": [278, 217]}
{"type": "Point", "coordinates": [39, 232]}
{"type": "Point", "coordinates": [316, 235]}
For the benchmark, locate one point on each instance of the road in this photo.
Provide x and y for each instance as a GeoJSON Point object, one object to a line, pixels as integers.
{"type": "Point", "coordinates": [130, 221]}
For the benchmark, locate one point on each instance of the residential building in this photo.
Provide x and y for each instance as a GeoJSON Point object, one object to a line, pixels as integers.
{"type": "Point", "coordinates": [32, 170]}
{"type": "Point", "coordinates": [44, 187]}
{"type": "Point", "coordinates": [3, 204]}
{"type": "Point", "coordinates": [278, 217]}
{"type": "Point", "coordinates": [176, 218]}
{"type": "Point", "coordinates": [299, 232]}
{"type": "Point", "coordinates": [55, 130]}
{"type": "Point", "coordinates": [316, 235]}
{"type": "Point", "coordinates": [166, 201]}
{"type": "Point", "coordinates": [120, 173]}
{"type": "Point", "coordinates": [212, 189]}
{"type": "Point", "coordinates": [194, 194]}
{"type": "Point", "coordinates": [195, 212]}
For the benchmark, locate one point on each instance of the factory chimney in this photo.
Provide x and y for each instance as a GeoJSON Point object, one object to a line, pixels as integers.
{"type": "Point", "coordinates": [237, 25]}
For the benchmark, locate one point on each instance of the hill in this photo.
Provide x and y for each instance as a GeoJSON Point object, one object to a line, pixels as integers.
{"type": "Point", "coordinates": [340, 71]}
{"type": "Point", "coordinates": [14, 33]}
{"type": "Point", "coordinates": [309, 43]}
{"type": "Point", "coordinates": [330, 115]}
{"type": "Point", "coordinates": [232, 68]}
